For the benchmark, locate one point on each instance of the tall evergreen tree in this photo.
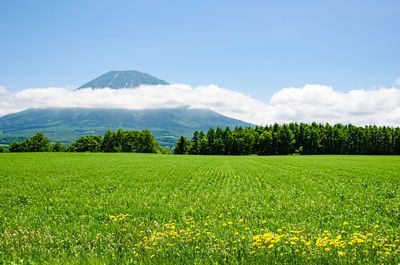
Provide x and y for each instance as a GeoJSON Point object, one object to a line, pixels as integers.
{"type": "Point", "coordinates": [181, 146]}
{"type": "Point", "coordinates": [194, 147]}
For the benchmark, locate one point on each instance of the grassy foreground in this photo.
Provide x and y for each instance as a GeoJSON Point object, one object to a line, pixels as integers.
{"type": "Point", "coordinates": [138, 208]}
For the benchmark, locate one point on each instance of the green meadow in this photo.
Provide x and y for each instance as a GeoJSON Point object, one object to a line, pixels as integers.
{"type": "Point", "coordinates": [97, 208]}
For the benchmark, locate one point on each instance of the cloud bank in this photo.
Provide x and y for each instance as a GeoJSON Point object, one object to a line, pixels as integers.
{"type": "Point", "coordinates": [310, 103]}
{"type": "Point", "coordinates": [2, 90]}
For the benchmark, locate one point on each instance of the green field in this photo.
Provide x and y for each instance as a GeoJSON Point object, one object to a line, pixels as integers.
{"type": "Point", "coordinates": [137, 208]}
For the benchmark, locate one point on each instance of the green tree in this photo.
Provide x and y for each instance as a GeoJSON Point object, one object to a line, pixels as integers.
{"type": "Point", "coordinates": [203, 145]}
{"type": "Point", "coordinates": [129, 141]}
{"type": "Point", "coordinates": [219, 145]}
{"type": "Point", "coordinates": [146, 142]}
{"type": "Point", "coordinates": [108, 144]}
{"type": "Point", "coordinates": [38, 143]}
{"type": "Point", "coordinates": [18, 147]}
{"type": "Point", "coordinates": [181, 146]}
{"type": "Point", "coordinates": [265, 143]}
{"type": "Point", "coordinates": [286, 141]}
{"type": "Point", "coordinates": [89, 143]}
{"type": "Point", "coordinates": [58, 147]}
{"type": "Point", "coordinates": [211, 141]}
{"type": "Point", "coordinates": [194, 146]}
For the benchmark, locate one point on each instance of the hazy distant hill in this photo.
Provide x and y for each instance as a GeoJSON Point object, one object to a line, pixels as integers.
{"type": "Point", "coordinates": [123, 79]}
{"type": "Point", "coordinates": [68, 124]}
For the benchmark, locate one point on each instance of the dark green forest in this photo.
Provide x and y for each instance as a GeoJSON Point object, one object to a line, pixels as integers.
{"type": "Point", "coordinates": [293, 138]}
{"type": "Point", "coordinates": [119, 141]}
{"type": "Point", "coordinates": [307, 139]}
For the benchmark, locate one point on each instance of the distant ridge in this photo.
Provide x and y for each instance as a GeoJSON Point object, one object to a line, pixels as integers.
{"type": "Point", "coordinates": [123, 79]}
{"type": "Point", "coordinates": [68, 124]}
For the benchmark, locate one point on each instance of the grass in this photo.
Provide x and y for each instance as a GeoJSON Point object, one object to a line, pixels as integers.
{"type": "Point", "coordinates": [137, 208]}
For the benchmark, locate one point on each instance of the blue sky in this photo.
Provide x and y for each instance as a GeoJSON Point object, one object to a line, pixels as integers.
{"type": "Point", "coordinates": [253, 47]}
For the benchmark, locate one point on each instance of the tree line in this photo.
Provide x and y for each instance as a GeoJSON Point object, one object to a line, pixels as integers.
{"type": "Point", "coordinates": [119, 141]}
{"type": "Point", "coordinates": [274, 139]}
{"type": "Point", "coordinates": [308, 139]}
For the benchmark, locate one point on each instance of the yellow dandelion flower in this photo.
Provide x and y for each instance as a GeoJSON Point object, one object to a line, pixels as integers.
{"type": "Point", "coordinates": [296, 232]}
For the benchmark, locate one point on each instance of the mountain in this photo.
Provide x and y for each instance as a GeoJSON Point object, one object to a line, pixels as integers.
{"type": "Point", "coordinates": [68, 124]}
{"type": "Point", "coordinates": [123, 79]}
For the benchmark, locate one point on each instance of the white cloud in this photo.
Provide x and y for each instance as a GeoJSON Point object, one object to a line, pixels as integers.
{"type": "Point", "coordinates": [323, 104]}
{"type": "Point", "coordinates": [397, 81]}
{"type": "Point", "coordinates": [306, 104]}
{"type": "Point", "coordinates": [221, 100]}
{"type": "Point", "coordinates": [2, 90]}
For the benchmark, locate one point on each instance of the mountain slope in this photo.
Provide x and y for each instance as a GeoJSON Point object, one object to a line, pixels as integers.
{"type": "Point", "coordinates": [68, 124]}
{"type": "Point", "coordinates": [123, 79]}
